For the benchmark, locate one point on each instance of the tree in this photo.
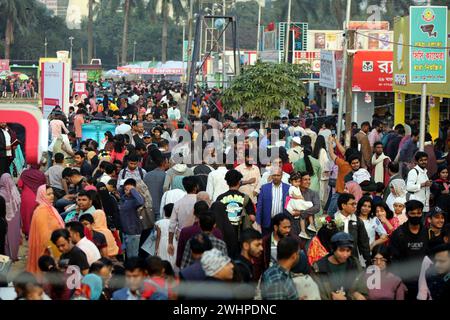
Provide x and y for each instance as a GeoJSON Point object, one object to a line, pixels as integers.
{"type": "Point", "coordinates": [261, 89]}
{"type": "Point", "coordinates": [19, 15]}
{"type": "Point", "coordinates": [172, 9]}
{"type": "Point", "coordinates": [126, 10]}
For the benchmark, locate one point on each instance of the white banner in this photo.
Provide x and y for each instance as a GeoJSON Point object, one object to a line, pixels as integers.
{"type": "Point", "coordinates": [327, 69]}
{"type": "Point", "coordinates": [52, 83]}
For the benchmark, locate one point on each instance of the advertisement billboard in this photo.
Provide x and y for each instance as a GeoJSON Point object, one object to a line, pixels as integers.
{"type": "Point", "coordinates": [373, 71]}
{"type": "Point", "coordinates": [330, 69]}
{"type": "Point", "coordinates": [428, 33]}
{"type": "Point", "coordinates": [52, 86]}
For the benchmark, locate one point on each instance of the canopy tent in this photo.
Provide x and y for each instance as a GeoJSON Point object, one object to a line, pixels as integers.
{"type": "Point", "coordinates": [155, 68]}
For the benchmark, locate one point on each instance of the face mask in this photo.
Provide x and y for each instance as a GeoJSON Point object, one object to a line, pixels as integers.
{"type": "Point", "coordinates": [414, 220]}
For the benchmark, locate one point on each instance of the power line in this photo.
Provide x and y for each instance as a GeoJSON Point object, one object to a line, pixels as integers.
{"type": "Point", "coordinates": [401, 44]}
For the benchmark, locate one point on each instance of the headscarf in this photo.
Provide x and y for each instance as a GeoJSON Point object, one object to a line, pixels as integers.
{"type": "Point", "coordinates": [33, 178]}
{"type": "Point", "coordinates": [42, 200]}
{"type": "Point", "coordinates": [399, 187]}
{"type": "Point", "coordinates": [354, 188]}
{"type": "Point", "coordinates": [101, 226]}
{"type": "Point", "coordinates": [91, 287]}
{"type": "Point", "coordinates": [10, 193]}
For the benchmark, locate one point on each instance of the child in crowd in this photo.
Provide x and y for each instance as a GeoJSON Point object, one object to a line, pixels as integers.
{"type": "Point", "coordinates": [297, 202]}
{"type": "Point", "coordinates": [162, 235]}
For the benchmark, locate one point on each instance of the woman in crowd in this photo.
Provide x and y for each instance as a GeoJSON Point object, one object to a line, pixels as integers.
{"type": "Point", "coordinates": [386, 216]}
{"type": "Point", "coordinates": [320, 244]}
{"type": "Point", "coordinates": [390, 287]}
{"type": "Point", "coordinates": [46, 219]}
{"type": "Point", "coordinates": [321, 154]}
{"type": "Point", "coordinates": [223, 224]}
{"type": "Point", "coordinates": [119, 150]}
{"type": "Point", "coordinates": [311, 165]}
{"type": "Point", "coordinates": [375, 230]}
{"type": "Point", "coordinates": [354, 188]}
{"type": "Point", "coordinates": [29, 182]}
{"type": "Point", "coordinates": [440, 190]}
{"type": "Point", "coordinates": [100, 225]}
{"type": "Point", "coordinates": [3, 225]}
{"type": "Point", "coordinates": [398, 189]}
{"type": "Point", "coordinates": [10, 193]}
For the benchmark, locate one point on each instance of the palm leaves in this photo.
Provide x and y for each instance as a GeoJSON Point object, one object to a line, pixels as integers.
{"type": "Point", "coordinates": [19, 16]}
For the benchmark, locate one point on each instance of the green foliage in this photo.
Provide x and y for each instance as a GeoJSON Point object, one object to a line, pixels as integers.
{"type": "Point", "coordinates": [261, 89]}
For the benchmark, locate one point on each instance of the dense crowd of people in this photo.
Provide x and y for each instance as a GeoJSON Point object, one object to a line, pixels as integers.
{"type": "Point", "coordinates": [135, 217]}
{"type": "Point", "coordinates": [15, 88]}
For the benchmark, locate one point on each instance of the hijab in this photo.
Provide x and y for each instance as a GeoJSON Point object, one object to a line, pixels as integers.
{"type": "Point", "coordinates": [42, 200]}
{"type": "Point", "coordinates": [101, 226]}
{"type": "Point", "coordinates": [399, 187]}
{"type": "Point", "coordinates": [109, 205]}
{"type": "Point", "coordinates": [33, 178]}
{"type": "Point", "coordinates": [354, 188]}
{"type": "Point", "coordinates": [10, 193]}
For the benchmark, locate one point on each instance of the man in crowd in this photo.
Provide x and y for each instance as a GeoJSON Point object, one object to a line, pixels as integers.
{"type": "Point", "coordinates": [380, 162]}
{"type": "Point", "coordinates": [418, 184]}
{"type": "Point", "coordinates": [271, 200]}
{"type": "Point", "coordinates": [78, 238]}
{"type": "Point", "coordinates": [277, 283]}
{"type": "Point", "coordinates": [409, 245]}
{"type": "Point", "coordinates": [353, 226]}
{"type": "Point", "coordinates": [337, 273]}
{"type": "Point", "coordinates": [363, 141]}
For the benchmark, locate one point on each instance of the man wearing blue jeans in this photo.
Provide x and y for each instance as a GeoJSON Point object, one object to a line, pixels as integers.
{"type": "Point", "coordinates": [130, 201]}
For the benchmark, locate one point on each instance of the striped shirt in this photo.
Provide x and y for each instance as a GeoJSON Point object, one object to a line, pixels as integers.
{"type": "Point", "coordinates": [277, 199]}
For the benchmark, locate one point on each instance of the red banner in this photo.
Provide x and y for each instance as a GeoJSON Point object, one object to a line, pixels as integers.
{"type": "Point", "coordinates": [373, 71]}
{"type": "Point", "coordinates": [167, 71]}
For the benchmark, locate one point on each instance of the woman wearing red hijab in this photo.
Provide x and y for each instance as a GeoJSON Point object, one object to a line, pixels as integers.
{"type": "Point", "coordinates": [29, 182]}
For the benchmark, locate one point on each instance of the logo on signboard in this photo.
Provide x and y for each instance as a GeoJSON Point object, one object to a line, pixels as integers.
{"type": "Point", "coordinates": [367, 66]}
{"type": "Point", "coordinates": [428, 15]}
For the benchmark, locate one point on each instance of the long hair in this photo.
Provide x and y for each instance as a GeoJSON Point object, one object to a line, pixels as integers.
{"type": "Point", "coordinates": [308, 165]}
{"type": "Point", "coordinates": [389, 213]}
{"type": "Point", "coordinates": [320, 144]}
{"type": "Point", "coordinates": [119, 143]}
{"type": "Point", "coordinates": [361, 203]}
{"type": "Point", "coordinates": [224, 225]}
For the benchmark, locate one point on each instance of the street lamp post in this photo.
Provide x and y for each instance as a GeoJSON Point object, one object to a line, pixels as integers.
{"type": "Point", "coordinates": [71, 45]}
{"type": "Point", "coordinates": [45, 45]}
{"type": "Point", "coordinates": [134, 50]}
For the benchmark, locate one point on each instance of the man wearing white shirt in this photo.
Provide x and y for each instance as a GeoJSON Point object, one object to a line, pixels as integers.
{"type": "Point", "coordinates": [353, 226]}
{"type": "Point", "coordinates": [78, 238]}
{"type": "Point", "coordinates": [418, 184]}
{"type": "Point", "coordinates": [216, 184]}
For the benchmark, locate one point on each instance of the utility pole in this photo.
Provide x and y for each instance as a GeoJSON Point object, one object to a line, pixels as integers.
{"type": "Point", "coordinates": [258, 35]}
{"type": "Point", "coordinates": [224, 58]}
{"type": "Point", "coordinates": [71, 45]}
{"type": "Point", "coordinates": [190, 19]}
{"type": "Point", "coordinates": [344, 68]}
{"type": "Point", "coordinates": [45, 45]}
{"type": "Point", "coordinates": [288, 32]}
{"type": "Point", "coordinates": [349, 79]}
{"type": "Point", "coordinates": [134, 50]}
{"type": "Point", "coordinates": [423, 111]}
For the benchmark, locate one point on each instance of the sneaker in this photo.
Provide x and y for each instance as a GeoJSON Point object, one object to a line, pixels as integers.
{"type": "Point", "coordinates": [304, 235]}
{"type": "Point", "coordinates": [312, 228]}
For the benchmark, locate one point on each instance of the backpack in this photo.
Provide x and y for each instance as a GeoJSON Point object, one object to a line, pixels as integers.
{"type": "Point", "coordinates": [160, 293]}
{"type": "Point", "coordinates": [409, 194]}
{"type": "Point", "coordinates": [145, 212]}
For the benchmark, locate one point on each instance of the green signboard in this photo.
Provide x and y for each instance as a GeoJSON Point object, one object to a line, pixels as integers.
{"type": "Point", "coordinates": [428, 34]}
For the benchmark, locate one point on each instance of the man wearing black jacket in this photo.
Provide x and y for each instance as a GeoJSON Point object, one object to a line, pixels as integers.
{"type": "Point", "coordinates": [353, 226]}
{"type": "Point", "coordinates": [409, 245]}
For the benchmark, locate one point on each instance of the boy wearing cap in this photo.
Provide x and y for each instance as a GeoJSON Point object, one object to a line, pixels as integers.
{"type": "Point", "coordinates": [436, 221]}
{"type": "Point", "coordinates": [338, 273]}
{"type": "Point", "coordinates": [218, 269]}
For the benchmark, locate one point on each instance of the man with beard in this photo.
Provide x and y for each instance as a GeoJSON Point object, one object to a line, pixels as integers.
{"type": "Point", "coordinates": [380, 162]}
{"type": "Point", "coordinates": [246, 268]}
{"type": "Point", "coordinates": [281, 228]}
{"type": "Point", "coordinates": [409, 245]}
{"type": "Point", "coordinates": [377, 132]}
